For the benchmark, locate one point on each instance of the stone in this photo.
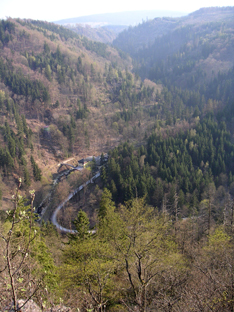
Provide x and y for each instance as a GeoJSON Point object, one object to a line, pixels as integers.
{"type": "Point", "coordinates": [30, 306]}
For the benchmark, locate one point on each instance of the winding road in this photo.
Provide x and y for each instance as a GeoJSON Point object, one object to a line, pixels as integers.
{"type": "Point", "coordinates": [60, 206]}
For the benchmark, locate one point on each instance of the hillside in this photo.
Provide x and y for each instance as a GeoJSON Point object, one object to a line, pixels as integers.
{"type": "Point", "coordinates": [186, 51]}
{"type": "Point", "coordinates": [63, 95]}
{"type": "Point", "coordinates": [105, 34]}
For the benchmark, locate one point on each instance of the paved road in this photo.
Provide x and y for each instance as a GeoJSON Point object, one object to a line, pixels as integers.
{"type": "Point", "coordinates": [60, 206]}
{"type": "Point", "coordinates": [48, 196]}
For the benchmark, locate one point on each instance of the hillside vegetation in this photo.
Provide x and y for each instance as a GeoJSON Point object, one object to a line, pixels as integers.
{"type": "Point", "coordinates": [186, 51]}
{"type": "Point", "coordinates": [105, 34]}
{"type": "Point", "coordinates": [62, 95]}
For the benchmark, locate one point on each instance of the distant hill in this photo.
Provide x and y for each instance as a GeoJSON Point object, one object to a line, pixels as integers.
{"type": "Point", "coordinates": [120, 18]}
{"type": "Point", "coordinates": [135, 38]}
{"type": "Point", "coordinates": [185, 51]}
{"type": "Point", "coordinates": [105, 34]}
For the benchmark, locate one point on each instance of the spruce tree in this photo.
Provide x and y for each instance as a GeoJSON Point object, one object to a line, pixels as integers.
{"type": "Point", "coordinates": [36, 170]}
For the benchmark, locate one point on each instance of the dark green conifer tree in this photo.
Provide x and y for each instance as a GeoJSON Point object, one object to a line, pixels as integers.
{"type": "Point", "coordinates": [36, 170]}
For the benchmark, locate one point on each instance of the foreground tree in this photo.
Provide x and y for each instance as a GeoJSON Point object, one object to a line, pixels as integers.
{"type": "Point", "coordinates": [211, 283]}
{"type": "Point", "coordinates": [150, 269]}
{"type": "Point", "coordinates": [88, 267]}
{"type": "Point", "coordinates": [26, 268]}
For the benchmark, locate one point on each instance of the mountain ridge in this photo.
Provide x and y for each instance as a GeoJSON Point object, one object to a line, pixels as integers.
{"type": "Point", "coordinates": [179, 49]}
{"type": "Point", "coordinates": [120, 18]}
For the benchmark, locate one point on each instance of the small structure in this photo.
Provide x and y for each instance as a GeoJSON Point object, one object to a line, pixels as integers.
{"type": "Point", "coordinates": [98, 160]}
{"type": "Point", "coordinates": [82, 162]}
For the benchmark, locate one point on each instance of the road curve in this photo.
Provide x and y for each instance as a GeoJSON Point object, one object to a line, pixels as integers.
{"type": "Point", "coordinates": [60, 206]}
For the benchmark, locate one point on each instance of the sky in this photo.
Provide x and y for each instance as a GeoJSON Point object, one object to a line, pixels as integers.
{"type": "Point", "coordinates": [52, 10]}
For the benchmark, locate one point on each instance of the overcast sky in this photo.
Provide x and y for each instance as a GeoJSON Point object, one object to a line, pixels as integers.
{"type": "Point", "coordinates": [51, 10]}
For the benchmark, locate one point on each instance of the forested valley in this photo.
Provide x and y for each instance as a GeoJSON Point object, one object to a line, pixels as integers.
{"type": "Point", "coordinates": [155, 232]}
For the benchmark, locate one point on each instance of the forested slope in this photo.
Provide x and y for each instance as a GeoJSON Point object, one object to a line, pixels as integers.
{"type": "Point", "coordinates": [105, 34]}
{"type": "Point", "coordinates": [187, 51]}
{"type": "Point", "coordinates": [60, 94]}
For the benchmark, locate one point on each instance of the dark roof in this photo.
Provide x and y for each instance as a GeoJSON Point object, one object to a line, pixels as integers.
{"type": "Point", "coordinates": [82, 161]}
